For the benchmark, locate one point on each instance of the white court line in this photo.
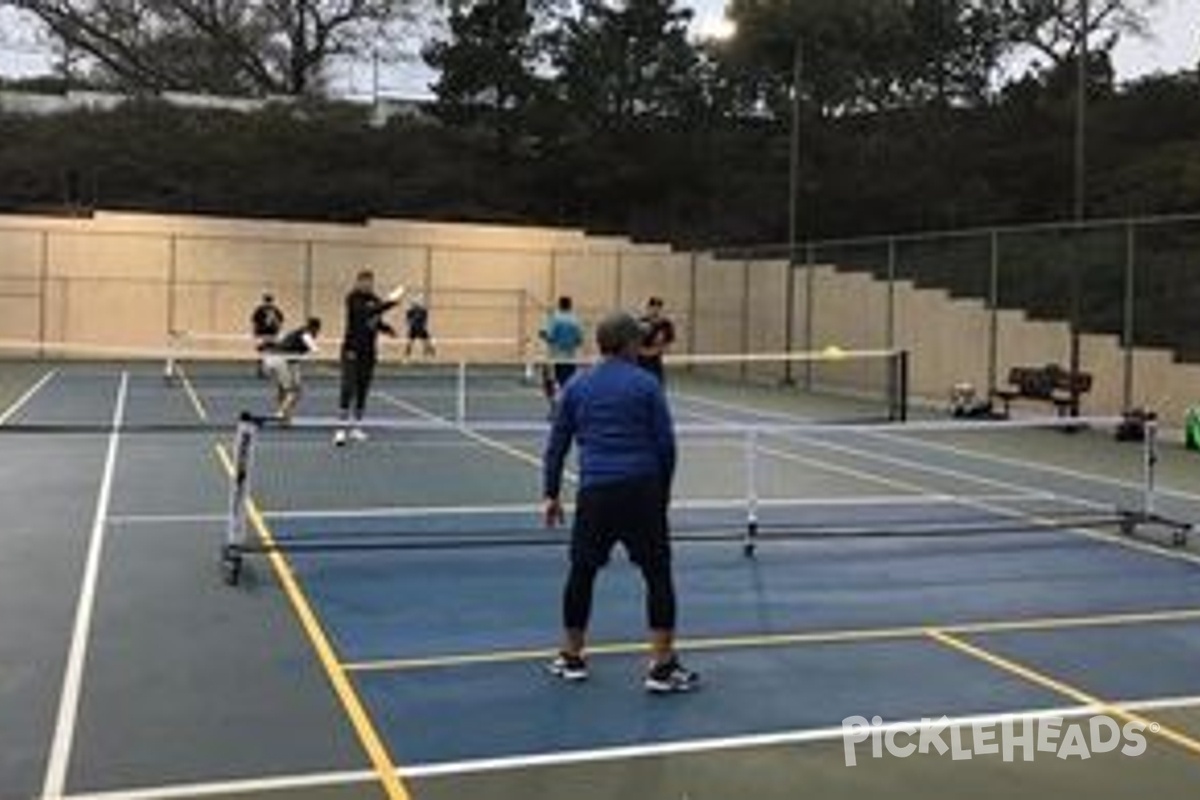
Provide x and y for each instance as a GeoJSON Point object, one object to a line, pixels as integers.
{"type": "Point", "coordinates": [246, 786]}
{"type": "Point", "coordinates": [600, 755]}
{"type": "Point", "coordinates": [165, 519]}
{"type": "Point", "coordinates": [15, 407]}
{"type": "Point", "coordinates": [68, 703]}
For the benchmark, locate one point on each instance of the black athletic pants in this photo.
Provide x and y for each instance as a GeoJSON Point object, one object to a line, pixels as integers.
{"type": "Point", "coordinates": [633, 513]}
{"type": "Point", "coordinates": [358, 369]}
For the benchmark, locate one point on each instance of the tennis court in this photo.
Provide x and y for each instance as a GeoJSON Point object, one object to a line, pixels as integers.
{"type": "Point", "coordinates": [392, 639]}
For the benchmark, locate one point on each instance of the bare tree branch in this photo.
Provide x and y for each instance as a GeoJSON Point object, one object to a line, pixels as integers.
{"type": "Point", "coordinates": [242, 46]}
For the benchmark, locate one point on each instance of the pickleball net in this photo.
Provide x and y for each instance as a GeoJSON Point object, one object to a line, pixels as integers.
{"type": "Point", "coordinates": [415, 485]}
{"type": "Point", "coordinates": [219, 376]}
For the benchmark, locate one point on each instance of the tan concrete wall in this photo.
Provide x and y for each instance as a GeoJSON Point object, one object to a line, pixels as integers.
{"type": "Point", "coordinates": [849, 310]}
{"type": "Point", "coordinates": [947, 340]}
{"type": "Point", "coordinates": [218, 280]}
{"type": "Point", "coordinates": [203, 275]}
{"type": "Point", "coordinates": [108, 280]}
{"type": "Point", "coordinates": [720, 302]}
{"type": "Point", "coordinates": [651, 271]}
{"type": "Point", "coordinates": [590, 277]}
{"type": "Point", "coordinates": [766, 328]}
{"type": "Point", "coordinates": [1168, 387]}
{"type": "Point", "coordinates": [20, 284]}
{"type": "Point", "coordinates": [107, 289]}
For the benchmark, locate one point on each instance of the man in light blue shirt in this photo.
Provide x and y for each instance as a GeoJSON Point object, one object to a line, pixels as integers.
{"type": "Point", "coordinates": [563, 335]}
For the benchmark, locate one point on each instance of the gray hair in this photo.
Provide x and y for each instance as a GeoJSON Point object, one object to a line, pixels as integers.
{"type": "Point", "coordinates": [617, 332]}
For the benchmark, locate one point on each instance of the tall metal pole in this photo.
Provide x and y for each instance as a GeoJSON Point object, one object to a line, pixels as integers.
{"type": "Point", "coordinates": [793, 208]}
{"type": "Point", "coordinates": [1080, 196]}
{"type": "Point", "coordinates": [1127, 322]}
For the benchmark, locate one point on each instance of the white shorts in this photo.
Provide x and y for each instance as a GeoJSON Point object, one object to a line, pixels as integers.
{"type": "Point", "coordinates": [282, 370]}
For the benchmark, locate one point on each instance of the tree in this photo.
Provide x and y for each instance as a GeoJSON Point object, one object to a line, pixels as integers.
{"type": "Point", "coordinates": [253, 47]}
{"type": "Point", "coordinates": [487, 65]}
{"type": "Point", "coordinates": [1052, 27]}
{"type": "Point", "coordinates": [851, 51]}
{"type": "Point", "coordinates": [618, 63]}
{"type": "Point", "coordinates": [955, 47]}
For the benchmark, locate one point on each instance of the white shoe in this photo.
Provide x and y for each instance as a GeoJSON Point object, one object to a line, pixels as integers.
{"type": "Point", "coordinates": [358, 434]}
{"type": "Point", "coordinates": [339, 437]}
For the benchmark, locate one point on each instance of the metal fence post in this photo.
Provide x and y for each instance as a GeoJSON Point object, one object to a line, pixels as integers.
{"type": "Point", "coordinates": [810, 282]}
{"type": "Point", "coordinates": [43, 292]}
{"type": "Point", "coordinates": [172, 283]}
{"type": "Point", "coordinates": [890, 333]}
{"type": "Point", "coordinates": [993, 356]}
{"type": "Point", "coordinates": [1128, 326]}
{"type": "Point", "coordinates": [693, 270]}
{"type": "Point", "coordinates": [744, 333]}
{"type": "Point", "coordinates": [309, 278]}
{"type": "Point", "coordinates": [789, 315]}
{"type": "Point", "coordinates": [619, 280]}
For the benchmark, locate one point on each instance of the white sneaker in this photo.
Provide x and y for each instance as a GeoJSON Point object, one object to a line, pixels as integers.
{"type": "Point", "coordinates": [358, 434]}
{"type": "Point", "coordinates": [339, 437]}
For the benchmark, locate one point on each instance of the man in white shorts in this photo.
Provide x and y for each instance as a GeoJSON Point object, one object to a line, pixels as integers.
{"type": "Point", "coordinates": [281, 363]}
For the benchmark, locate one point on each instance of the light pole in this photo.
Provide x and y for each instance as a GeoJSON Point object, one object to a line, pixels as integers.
{"type": "Point", "coordinates": [789, 314]}
{"type": "Point", "coordinates": [1080, 198]}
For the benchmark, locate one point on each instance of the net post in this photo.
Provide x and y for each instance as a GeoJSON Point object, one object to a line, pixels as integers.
{"type": "Point", "coordinates": [528, 371]}
{"type": "Point", "coordinates": [1149, 465]}
{"type": "Point", "coordinates": [898, 401]}
{"type": "Point", "coordinates": [460, 393]}
{"type": "Point", "coordinates": [171, 367]}
{"type": "Point", "coordinates": [750, 541]}
{"type": "Point", "coordinates": [236, 535]}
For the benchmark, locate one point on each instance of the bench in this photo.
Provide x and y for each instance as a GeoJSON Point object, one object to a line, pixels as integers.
{"type": "Point", "coordinates": [1050, 384]}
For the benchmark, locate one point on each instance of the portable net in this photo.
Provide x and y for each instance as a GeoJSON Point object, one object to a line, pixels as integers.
{"type": "Point", "coordinates": [418, 485]}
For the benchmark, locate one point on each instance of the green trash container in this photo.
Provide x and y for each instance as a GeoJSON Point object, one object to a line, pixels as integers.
{"type": "Point", "coordinates": [1191, 428]}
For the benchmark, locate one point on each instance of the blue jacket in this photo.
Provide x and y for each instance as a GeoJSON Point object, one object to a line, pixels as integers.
{"type": "Point", "coordinates": [618, 414]}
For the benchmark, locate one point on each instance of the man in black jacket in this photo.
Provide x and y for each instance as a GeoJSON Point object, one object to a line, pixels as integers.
{"type": "Point", "coordinates": [364, 323]}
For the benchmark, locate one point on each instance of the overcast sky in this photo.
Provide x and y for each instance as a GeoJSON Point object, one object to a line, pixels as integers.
{"type": "Point", "coordinates": [1174, 45]}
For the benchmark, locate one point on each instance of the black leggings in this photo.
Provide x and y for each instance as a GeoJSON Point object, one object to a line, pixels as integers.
{"type": "Point", "coordinates": [357, 371]}
{"type": "Point", "coordinates": [660, 596]}
{"type": "Point", "coordinates": [633, 513]}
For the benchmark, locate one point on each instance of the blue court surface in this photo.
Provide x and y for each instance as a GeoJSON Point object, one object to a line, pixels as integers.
{"type": "Point", "coordinates": [394, 643]}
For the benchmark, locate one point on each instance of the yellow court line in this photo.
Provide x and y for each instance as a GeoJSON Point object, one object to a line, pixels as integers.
{"type": "Point", "coordinates": [190, 390]}
{"type": "Point", "coordinates": [764, 641]}
{"type": "Point", "coordinates": [372, 742]}
{"type": "Point", "coordinates": [1053, 684]}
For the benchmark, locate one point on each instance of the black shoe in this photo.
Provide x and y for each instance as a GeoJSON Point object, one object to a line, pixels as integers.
{"type": "Point", "coordinates": [670, 677]}
{"type": "Point", "coordinates": [568, 667]}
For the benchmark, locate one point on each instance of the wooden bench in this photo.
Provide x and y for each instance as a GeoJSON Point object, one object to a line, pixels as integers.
{"type": "Point", "coordinates": [1050, 384]}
